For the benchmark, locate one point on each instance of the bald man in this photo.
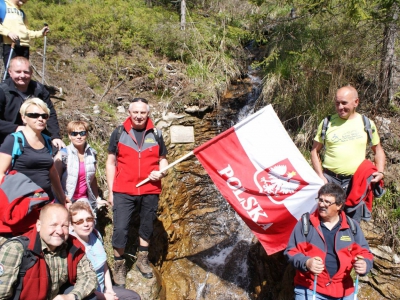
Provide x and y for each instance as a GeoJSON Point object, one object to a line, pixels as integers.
{"type": "Point", "coordinates": [58, 259]}
{"type": "Point", "coordinates": [345, 144]}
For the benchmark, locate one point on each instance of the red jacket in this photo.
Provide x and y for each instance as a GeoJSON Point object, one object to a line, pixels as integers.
{"type": "Point", "coordinates": [347, 247]}
{"type": "Point", "coordinates": [135, 161]}
{"type": "Point", "coordinates": [361, 187]}
{"type": "Point", "coordinates": [36, 280]}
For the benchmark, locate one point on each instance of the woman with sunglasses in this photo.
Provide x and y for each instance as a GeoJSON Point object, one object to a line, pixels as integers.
{"type": "Point", "coordinates": [82, 225]}
{"type": "Point", "coordinates": [76, 166]}
{"type": "Point", "coordinates": [36, 161]}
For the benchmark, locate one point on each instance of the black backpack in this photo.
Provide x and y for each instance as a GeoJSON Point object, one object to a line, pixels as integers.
{"type": "Point", "coordinates": [305, 221]}
{"type": "Point", "coordinates": [120, 128]}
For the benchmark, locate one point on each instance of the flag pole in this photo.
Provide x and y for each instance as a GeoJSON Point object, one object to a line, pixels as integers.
{"type": "Point", "coordinates": [167, 167]}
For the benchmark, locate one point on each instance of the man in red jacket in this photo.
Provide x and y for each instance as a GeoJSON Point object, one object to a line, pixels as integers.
{"type": "Point", "coordinates": [56, 257]}
{"type": "Point", "coordinates": [136, 152]}
{"type": "Point", "coordinates": [330, 249]}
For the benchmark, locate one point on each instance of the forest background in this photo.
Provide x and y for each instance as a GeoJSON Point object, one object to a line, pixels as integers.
{"type": "Point", "coordinates": [308, 49]}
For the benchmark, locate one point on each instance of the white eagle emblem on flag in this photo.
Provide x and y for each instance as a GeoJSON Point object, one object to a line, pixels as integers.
{"type": "Point", "coordinates": [279, 181]}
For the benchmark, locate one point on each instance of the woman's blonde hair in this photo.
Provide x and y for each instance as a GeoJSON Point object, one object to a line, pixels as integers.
{"type": "Point", "coordinates": [76, 124]}
{"type": "Point", "coordinates": [34, 101]}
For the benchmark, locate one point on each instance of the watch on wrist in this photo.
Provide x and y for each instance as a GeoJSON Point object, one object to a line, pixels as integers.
{"type": "Point", "coordinates": [76, 297]}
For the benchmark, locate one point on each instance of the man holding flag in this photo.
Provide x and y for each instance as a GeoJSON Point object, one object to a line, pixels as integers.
{"type": "Point", "coordinates": [136, 152]}
{"type": "Point", "coordinates": [325, 246]}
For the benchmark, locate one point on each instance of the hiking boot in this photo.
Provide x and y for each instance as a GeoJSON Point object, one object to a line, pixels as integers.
{"type": "Point", "coordinates": [142, 264]}
{"type": "Point", "coordinates": [119, 273]}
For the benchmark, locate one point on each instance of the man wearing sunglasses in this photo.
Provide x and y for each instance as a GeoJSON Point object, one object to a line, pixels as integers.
{"type": "Point", "coordinates": [136, 152]}
{"type": "Point", "coordinates": [14, 91]}
{"type": "Point", "coordinates": [325, 252]}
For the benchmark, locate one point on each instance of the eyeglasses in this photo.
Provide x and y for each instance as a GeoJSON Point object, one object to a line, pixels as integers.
{"type": "Point", "coordinates": [81, 221]}
{"type": "Point", "coordinates": [327, 203]}
{"type": "Point", "coordinates": [140, 100]}
{"type": "Point", "coordinates": [37, 115]}
{"type": "Point", "coordinates": [81, 133]}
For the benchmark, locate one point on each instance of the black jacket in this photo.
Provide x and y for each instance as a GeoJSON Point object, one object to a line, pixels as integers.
{"type": "Point", "coordinates": [10, 104]}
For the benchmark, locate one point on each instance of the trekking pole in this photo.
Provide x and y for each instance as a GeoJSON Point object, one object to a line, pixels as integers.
{"type": "Point", "coordinates": [9, 58]}
{"type": "Point", "coordinates": [44, 53]}
{"type": "Point", "coordinates": [314, 293]}
{"type": "Point", "coordinates": [357, 278]}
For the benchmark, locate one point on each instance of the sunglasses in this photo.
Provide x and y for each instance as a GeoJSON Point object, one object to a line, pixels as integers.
{"type": "Point", "coordinates": [37, 115]}
{"type": "Point", "coordinates": [140, 100]}
{"type": "Point", "coordinates": [81, 133]}
{"type": "Point", "coordinates": [81, 221]}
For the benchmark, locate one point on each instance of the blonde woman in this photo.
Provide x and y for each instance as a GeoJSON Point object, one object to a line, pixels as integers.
{"type": "Point", "coordinates": [35, 161]}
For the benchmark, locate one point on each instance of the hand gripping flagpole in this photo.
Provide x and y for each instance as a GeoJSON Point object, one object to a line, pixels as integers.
{"type": "Point", "coordinates": [168, 167]}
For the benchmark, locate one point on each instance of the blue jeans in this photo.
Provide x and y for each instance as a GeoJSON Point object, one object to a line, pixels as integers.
{"type": "Point", "coordinates": [303, 293]}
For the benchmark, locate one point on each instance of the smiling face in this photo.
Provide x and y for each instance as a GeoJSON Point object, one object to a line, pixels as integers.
{"type": "Point", "coordinates": [53, 226]}
{"type": "Point", "coordinates": [29, 118]}
{"type": "Point", "coordinates": [346, 102]}
{"type": "Point", "coordinates": [83, 224]}
{"type": "Point", "coordinates": [139, 113]}
{"type": "Point", "coordinates": [20, 72]}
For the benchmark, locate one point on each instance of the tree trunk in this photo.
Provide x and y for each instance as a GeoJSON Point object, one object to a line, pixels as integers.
{"type": "Point", "coordinates": [386, 77]}
{"type": "Point", "coordinates": [183, 14]}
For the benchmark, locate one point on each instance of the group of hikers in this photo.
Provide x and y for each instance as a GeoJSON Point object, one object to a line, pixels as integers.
{"type": "Point", "coordinates": [50, 245]}
{"type": "Point", "coordinates": [67, 175]}
{"type": "Point", "coordinates": [51, 248]}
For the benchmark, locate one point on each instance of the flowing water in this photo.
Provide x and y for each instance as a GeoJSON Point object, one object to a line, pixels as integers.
{"type": "Point", "coordinates": [229, 260]}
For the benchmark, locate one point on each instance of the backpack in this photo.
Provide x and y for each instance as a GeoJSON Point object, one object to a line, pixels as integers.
{"type": "Point", "coordinates": [120, 128]}
{"type": "Point", "coordinates": [19, 143]}
{"type": "Point", "coordinates": [305, 221]}
{"type": "Point", "coordinates": [20, 202]}
{"type": "Point", "coordinates": [367, 128]}
{"type": "Point", "coordinates": [27, 262]}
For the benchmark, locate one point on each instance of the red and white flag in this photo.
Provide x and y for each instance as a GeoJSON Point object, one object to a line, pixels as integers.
{"type": "Point", "coordinates": [262, 175]}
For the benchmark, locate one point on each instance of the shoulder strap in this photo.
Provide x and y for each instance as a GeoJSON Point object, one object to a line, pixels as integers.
{"type": "Point", "coordinates": [367, 128]}
{"type": "Point", "coordinates": [47, 141]}
{"type": "Point", "coordinates": [23, 15]}
{"type": "Point", "coordinates": [27, 262]}
{"type": "Point", "coordinates": [18, 147]}
{"type": "Point", "coordinates": [352, 226]}
{"type": "Point", "coordinates": [120, 128]}
{"type": "Point", "coordinates": [305, 221]}
{"type": "Point", "coordinates": [325, 125]}
{"type": "Point", "coordinates": [157, 134]}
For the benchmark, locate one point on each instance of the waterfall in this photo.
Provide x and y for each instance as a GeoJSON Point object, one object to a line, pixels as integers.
{"type": "Point", "coordinates": [229, 260]}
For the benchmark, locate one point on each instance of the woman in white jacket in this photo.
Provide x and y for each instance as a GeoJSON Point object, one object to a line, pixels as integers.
{"type": "Point", "coordinates": [76, 165]}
